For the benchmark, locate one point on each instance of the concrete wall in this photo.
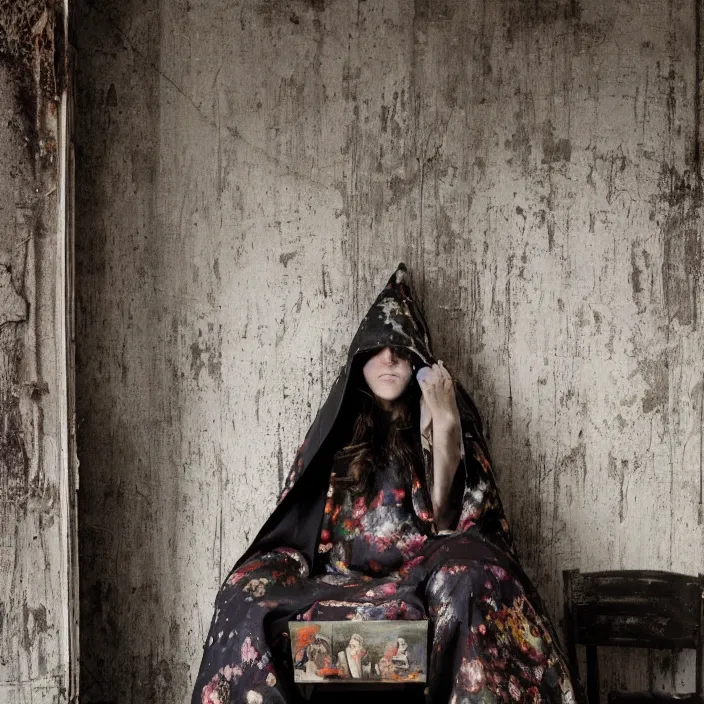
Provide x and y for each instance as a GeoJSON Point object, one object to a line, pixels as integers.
{"type": "Point", "coordinates": [35, 562]}
{"type": "Point", "coordinates": [249, 175]}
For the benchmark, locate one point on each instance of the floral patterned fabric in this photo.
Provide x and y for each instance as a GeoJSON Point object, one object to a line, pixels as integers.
{"type": "Point", "coordinates": [375, 536]}
{"type": "Point", "coordinates": [379, 561]}
{"type": "Point", "coordinates": [326, 553]}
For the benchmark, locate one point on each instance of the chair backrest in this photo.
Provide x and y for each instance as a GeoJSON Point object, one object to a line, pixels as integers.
{"type": "Point", "coordinates": [632, 608]}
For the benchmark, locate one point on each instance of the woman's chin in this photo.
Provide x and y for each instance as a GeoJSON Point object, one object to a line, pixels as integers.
{"type": "Point", "coordinates": [387, 397]}
{"type": "Point", "coordinates": [389, 391]}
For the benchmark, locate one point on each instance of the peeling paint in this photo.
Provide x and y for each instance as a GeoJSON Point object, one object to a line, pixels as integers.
{"type": "Point", "coordinates": [575, 462]}
{"type": "Point", "coordinates": [34, 624]}
{"type": "Point", "coordinates": [206, 354]}
{"type": "Point", "coordinates": [286, 257]}
{"type": "Point", "coordinates": [13, 308]}
{"type": "Point", "coordinates": [555, 150]}
{"type": "Point", "coordinates": [682, 263]}
{"type": "Point", "coordinates": [655, 374]}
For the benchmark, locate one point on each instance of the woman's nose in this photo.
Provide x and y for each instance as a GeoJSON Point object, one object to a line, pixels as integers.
{"type": "Point", "coordinates": [388, 355]}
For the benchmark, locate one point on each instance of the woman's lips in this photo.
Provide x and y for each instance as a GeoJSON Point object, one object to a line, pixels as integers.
{"type": "Point", "coordinates": [387, 377]}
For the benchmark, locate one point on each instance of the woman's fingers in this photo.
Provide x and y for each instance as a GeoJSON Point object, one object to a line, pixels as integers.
{"type": "Point", "coordinates": [444, 385]}
{"type": "Point", "coordinates": [435, 381]}
{"type": "Point", "coordinates": [443, 369]}
{"type": "Point", "coordinates": [438, 373]}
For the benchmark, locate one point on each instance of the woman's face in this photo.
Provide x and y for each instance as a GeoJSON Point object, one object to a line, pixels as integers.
{"type": "Point", "coordinates": [387, 373]}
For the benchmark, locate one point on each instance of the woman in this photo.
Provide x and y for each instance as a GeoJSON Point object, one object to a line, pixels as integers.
{"type": "Point", "coordinates": [390, 511]}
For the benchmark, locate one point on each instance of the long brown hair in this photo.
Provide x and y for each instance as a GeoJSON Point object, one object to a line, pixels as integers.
{"type": "Point", "coordinates": [377, 439]}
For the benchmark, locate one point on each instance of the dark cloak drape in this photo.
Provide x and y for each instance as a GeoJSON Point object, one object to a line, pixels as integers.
{"type": "Point", "coordinates": [480, 545]}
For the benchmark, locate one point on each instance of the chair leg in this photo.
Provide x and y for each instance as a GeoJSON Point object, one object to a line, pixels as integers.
{"type": "Point", "coordinates": [592, 675]}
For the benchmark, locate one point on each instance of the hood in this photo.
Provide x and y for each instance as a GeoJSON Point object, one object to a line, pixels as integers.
{"type": "Point", "coordinates": [394, 319]}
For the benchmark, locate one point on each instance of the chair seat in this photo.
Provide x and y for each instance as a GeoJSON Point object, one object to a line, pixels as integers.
{"type": "Point", "coordinates": [653, 698]}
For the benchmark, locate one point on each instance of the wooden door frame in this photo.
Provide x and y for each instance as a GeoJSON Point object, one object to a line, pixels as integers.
{"type": "Point", "coordinates": [66, 343]}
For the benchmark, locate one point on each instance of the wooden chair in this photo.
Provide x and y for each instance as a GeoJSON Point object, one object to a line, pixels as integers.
{"type": "Point", "coordinates": [637, 609]}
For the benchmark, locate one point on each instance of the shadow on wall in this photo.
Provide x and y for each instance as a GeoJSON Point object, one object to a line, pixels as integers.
{"type": "Point", "coordinates": [127, 390]}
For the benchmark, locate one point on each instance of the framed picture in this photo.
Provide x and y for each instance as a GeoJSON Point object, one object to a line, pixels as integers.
{"type": "Point", "coordinates": [359, 651]}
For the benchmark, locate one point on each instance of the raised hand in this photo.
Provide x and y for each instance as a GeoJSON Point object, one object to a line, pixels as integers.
{"type": "Point", "coordinates": [438, 390]}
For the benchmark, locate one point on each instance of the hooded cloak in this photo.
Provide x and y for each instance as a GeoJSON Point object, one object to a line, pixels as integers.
{"type": "Point", "coordinates": [491, 636]}
{"type": "Point", "coordinates": [394, 319]}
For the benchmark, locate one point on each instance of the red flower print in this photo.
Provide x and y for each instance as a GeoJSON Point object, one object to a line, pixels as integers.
{"type": "Point", "coordinates": [410, 564]}
{"type": "Point", "coordinates": [466, 524]}
{"type": "Point", "coordinates": [230, 672]}
{"type": "Point", "coordinates": [249, 652]}
{"type": "Point", "coordinates": [359, 508]}
{"type": "Point", "coordinates": [378, 501]}
{"type": "Point", "coordinates": [380, 543]}
{"type": "Point", "coordinates": [534, 695]}
{"type": "Point", "coordinates": [386, 589]}
{"type": "Point", "coordinates": [242, 571]}
{"type": "Point", "coordinates": [499, 572]}
{"type": "Point", "coordinates": [471, 675]}
{"type": "Point", "coordinates": [514, 688]}
{"type": "Point", "coordinates": [412, 545]}
{"type": "Point", "coordinates": [455, 569]}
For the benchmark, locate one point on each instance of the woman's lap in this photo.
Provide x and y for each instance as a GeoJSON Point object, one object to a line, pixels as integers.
{"type": "Point", "coordinates": [487, 635]}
